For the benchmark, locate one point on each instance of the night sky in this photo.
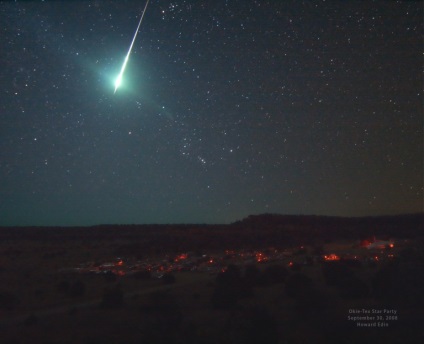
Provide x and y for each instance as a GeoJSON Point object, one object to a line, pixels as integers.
{"type": "Point", "coordinates": [226, 109]}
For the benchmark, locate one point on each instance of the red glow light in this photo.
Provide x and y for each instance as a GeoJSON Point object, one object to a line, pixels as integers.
{"type": "Point", "coordinates": [332, 257]}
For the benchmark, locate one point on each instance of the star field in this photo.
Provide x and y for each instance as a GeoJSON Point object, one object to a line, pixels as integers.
{"type": "Point", "coordinates": [226, 109]}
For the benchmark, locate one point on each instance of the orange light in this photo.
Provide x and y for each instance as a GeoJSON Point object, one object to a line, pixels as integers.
{"type": "Point", "coordinates": [332, 257]}
{"type": "Point", "coordinates": [391, 245]}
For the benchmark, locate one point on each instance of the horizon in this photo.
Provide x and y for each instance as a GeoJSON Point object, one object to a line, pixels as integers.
{"type": "Point", "coordinates": [245, 219]}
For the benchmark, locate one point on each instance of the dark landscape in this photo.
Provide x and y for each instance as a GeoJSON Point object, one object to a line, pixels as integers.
{"type": "Point", "coordinates": [264, 279]}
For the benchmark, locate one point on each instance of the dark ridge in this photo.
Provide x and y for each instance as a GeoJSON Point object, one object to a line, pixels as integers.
{"type": "Point", "coordinates": [253, 231]}
{"type": "Point", "coordinates": [278, 219]}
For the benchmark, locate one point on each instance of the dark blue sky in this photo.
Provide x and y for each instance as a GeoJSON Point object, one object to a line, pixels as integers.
{"type": "Point", "coordinates": [227, 108]}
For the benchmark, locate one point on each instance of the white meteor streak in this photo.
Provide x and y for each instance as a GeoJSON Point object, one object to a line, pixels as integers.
{"type": "Point", "coordinates": [119, 78]}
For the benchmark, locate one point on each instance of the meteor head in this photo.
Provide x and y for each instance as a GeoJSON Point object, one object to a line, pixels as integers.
{"type": "Point", "coordinates": [118, 82]}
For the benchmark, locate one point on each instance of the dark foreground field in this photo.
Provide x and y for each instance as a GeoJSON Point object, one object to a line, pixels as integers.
{"type": "Point", "coordinates": [261, 280]}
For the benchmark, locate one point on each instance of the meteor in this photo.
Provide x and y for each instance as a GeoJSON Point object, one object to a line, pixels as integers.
{"type": "Point", "coordinates": [118, 80]}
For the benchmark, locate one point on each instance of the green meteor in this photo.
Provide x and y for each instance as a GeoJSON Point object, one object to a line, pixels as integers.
{"type": "Point", "coordinates": [118, 80]}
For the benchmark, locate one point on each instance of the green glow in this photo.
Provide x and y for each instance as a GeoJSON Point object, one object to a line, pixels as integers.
{"type": "Point", "coordinates": [118, 80]}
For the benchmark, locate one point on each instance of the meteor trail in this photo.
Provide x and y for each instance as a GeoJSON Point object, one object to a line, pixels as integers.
{"type": "Point", "coordinates": [119, 78]}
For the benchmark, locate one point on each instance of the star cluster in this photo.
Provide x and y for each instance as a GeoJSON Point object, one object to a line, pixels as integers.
{"type": "Point", "coordinates": [227, 108]}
